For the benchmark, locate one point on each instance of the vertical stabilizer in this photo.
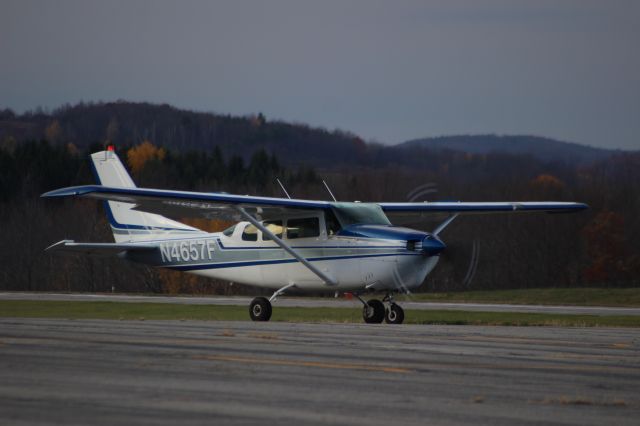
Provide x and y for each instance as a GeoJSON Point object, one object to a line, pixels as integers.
{"type": "Point", "coordinates": [128, 224]}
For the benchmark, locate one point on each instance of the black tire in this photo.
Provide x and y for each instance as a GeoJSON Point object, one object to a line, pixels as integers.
{"type": "Point", "coordinates": [373, 313]}
{"type": "Point", "coordinates": [394, 314]}
{"type": "Point", "coordinates": [260, 309]}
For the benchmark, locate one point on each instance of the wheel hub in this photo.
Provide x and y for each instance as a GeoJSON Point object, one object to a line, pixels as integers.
{"type": "Point", "coordinates": [392, 314]}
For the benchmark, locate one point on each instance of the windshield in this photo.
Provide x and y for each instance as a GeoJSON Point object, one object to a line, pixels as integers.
{"type": "Point", "coordinates": [229, 231]}
{"type": "Point", "coordinates": [363, 213]}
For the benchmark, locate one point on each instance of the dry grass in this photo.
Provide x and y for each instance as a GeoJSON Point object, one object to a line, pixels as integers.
{"type": "Point", "coordinates": [162, 311]}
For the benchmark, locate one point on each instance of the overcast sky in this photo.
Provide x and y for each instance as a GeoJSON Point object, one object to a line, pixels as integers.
{"type": "Point", "coordinates": [388, 71]}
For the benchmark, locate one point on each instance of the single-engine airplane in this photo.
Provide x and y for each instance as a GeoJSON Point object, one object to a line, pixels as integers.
{"type": "Point", "coordinates": [278, 243]}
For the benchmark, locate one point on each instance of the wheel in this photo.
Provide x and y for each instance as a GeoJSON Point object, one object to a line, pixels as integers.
{"type": "Point", "coordinates": [373, 313]}
{"type": "Point", "coordinates": [260, 309]}
{"type": "Point", "coordinates": [394, 314]}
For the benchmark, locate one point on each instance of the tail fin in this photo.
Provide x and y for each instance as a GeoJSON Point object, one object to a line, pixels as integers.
{"type": "Point", "coordinates": [127, 224]}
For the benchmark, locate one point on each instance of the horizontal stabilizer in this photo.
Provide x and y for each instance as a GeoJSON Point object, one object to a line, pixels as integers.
{"type": "Point", "coordinates": [97, 249]}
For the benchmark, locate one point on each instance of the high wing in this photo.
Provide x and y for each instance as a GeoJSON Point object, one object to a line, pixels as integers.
{"type": "Point", "coordinates": [178, 204]}
{"type": "Point", "coordinates": [483, 207]}
{"type": "Point", "coordinates": [416, 213]}
{"type": "Point", "coordinates": [221, 205]}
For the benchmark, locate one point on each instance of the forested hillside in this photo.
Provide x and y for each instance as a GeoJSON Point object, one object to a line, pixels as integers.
{"type": "Point", "coordinates": [39, 152]}
{"type": "Point", "coordinates": [544, 149]}
{"type": "Point", "coordinates": [127, 123]}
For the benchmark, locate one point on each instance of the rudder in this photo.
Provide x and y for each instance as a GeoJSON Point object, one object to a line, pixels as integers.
{"type": "Point", "coordinates": [128, 224]}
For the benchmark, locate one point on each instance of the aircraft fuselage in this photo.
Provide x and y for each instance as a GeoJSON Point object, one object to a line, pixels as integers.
{"type": "Point", "coordinates": [353, 262]}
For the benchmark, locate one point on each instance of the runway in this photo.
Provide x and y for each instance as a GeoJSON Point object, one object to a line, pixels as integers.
{"type": "Point", "coordinates": [319, 302]}
{"type": "Point", "coordinates": [183, 372]}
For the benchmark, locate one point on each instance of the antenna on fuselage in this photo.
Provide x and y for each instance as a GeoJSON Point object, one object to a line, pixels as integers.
{"type": "Point", "coordinates": [329, 190]}
{"type": "Point", "coordinates": [284, 190]}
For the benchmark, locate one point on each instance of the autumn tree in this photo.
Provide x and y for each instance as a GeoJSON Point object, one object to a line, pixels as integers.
{"type": "Point", "coordinates": [140, 155]}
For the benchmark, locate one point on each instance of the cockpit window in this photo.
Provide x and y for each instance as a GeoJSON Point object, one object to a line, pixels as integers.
{"type": "Point", "coordinates": [275, 226]}
{"type": "Point", "coordinates": [333, 226]}
{"type": "Point", "coordinates": [250, 233]}
{"type": "Point", "coordinates": [229, 231]}
{"type": "Point", "coordinates": [363, 213]}
{"type": "Point", "coordinates": [303, 228]}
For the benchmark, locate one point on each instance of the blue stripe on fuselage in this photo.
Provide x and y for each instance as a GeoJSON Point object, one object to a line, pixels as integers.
{"type": "Point", "coordinates": [220, 265]}
{"type": "Point", "coordinates": [276, 247]}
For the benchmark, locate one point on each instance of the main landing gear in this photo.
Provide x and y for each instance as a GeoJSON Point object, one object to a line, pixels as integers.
{"type": "Point", "coordinates": [374, 311]}
{"type": "Point", "coordinates": [260, 307]}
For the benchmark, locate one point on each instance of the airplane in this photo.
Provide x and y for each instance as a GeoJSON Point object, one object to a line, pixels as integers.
{"type": "Point", "coordinates": [282, 244]}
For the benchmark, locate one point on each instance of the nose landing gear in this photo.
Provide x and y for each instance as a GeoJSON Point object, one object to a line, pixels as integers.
{"type": "Point", "coordinates": [374, 311]}
{"type": "Point", "coordinates": [394, 314]}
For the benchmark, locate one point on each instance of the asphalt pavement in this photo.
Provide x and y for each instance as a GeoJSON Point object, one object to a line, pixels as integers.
{"type": "Point", "coordinates": [86, 372]}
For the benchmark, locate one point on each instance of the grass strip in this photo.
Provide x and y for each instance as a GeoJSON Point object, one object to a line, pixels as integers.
{"type": "Point", "coordinates": [157, 311]}
{"type": "Point", "coordinates": [619, 297]}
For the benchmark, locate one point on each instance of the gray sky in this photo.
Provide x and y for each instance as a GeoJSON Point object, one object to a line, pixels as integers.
{"type": "Point", "coordinates": [386, 70]}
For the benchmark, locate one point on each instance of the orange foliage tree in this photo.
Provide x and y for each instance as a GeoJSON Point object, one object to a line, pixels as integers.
{"type": "Point", "coordinates": [548, 181]}
{"type": "Point", "coordinates": [140, 155]}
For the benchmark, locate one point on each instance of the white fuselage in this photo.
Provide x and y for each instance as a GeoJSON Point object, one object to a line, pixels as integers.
{"type": "Point", "coordinates": [353, 263]}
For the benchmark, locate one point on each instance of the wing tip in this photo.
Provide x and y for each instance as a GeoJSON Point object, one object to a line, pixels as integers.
{"type": "Point", "coordinates": [69, 191]}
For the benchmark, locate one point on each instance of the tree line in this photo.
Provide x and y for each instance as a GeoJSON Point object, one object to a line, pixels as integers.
{"type": "Point", "coordinates": [599, 247]}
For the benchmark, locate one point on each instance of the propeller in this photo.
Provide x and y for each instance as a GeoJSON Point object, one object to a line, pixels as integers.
{"type": "Point", "coordinates": [435, 245]}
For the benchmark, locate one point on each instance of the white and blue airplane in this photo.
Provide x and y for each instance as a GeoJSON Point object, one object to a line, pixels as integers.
{"type": "Point", "coordinates": [278, 243]}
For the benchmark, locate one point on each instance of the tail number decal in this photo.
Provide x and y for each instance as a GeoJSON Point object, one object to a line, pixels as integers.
{"type": "Point", "coordinates": [187, 251]}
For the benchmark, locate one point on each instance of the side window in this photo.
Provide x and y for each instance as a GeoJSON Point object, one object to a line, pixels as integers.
{"type": "Point", "coordinates": [274, 226]}
{"type": "Point", "coordinates": [229, 231]}
{"type": "Point", "coordinates": [303, 228]}
{"type": "Point", "coordinates": [333, 226]}
{"type": "Point", "coordinates": [250, 233]}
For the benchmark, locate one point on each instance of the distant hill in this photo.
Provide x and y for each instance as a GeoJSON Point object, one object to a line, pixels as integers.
{"type": "Point", "coordinates": [544, 149]}
{"type": "Point", "coordinates": [130, 123]}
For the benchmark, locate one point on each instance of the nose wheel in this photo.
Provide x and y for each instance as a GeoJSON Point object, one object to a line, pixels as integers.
{"type": "Point", "coordinates": [394, 314]}
{"type": "Point", "coordinates": [374, 311]}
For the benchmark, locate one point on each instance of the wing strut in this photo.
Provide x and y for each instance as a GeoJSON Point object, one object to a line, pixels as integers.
{"type": "Point", "coordinates": [324, 277]}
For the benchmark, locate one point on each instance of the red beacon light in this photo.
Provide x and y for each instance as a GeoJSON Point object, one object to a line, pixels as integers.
{"type": "Point", "coordinates": [111, 148]}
